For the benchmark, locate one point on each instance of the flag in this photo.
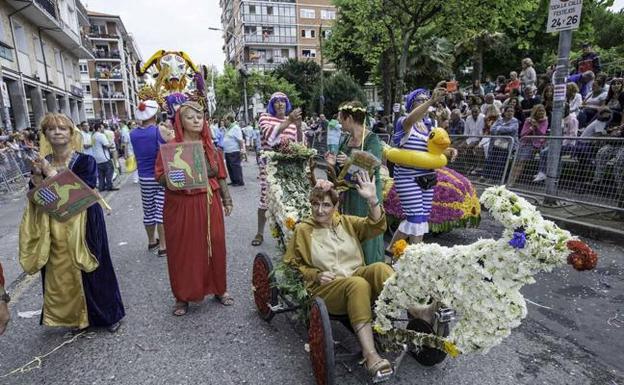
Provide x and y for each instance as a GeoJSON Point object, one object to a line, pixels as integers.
{"type": "Point", "coordinates": [47, 196]}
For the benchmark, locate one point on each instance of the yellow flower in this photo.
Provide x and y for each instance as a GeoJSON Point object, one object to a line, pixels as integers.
{"type": "Point", "coordinates": [290, 223]}
{"type": "Point", "coordinates": [275, 232]}
{"type": "Point", "coordinates": [399, 248]}
{"type": "Point", "coordinates": [378, 329]}
{"type": "Point", "coordinates": [451, 349]}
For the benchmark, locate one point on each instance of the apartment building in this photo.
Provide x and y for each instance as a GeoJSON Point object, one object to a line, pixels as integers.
{"type": "Point", "coordinates": [262, 34]}
{"type": "Point", "coordinates": [109, 78]}
{"type": "Point", "coordinates": [40, 47]}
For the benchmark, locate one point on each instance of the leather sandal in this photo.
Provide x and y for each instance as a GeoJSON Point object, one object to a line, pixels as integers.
{"type": "Point", "coordinates": [152, 246]}
{"type": "Point", "coordinates": [258, 239]}
{"type": "Point", "coordinates": [225, 299]}
{"type": "Point", "coordinates": [381, 368]}
{"type": "Point", "coordinates": [181, 308]}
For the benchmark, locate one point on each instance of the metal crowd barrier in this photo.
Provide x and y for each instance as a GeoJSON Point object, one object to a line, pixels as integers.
{"type": "Point", "coordinates": [590, 170]}
{"type": "Point", "coordinates": [12, 171]}
{"type": "Point", "coordinates": [483, 159]}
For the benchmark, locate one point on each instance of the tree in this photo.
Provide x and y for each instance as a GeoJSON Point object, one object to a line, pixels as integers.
{"type": "Point", "coordinates": [338, 88]}
{"type": "Point", "coordinates": [229, 89]}
{"type": "Point", "coordinates": [303, 74]}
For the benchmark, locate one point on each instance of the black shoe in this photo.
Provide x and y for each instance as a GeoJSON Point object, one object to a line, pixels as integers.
{"type": "Point", "coordinates": [114, 189]}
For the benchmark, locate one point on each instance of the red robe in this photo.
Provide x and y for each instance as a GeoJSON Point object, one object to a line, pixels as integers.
{"type": "Point", "coordinates": [193, 273]}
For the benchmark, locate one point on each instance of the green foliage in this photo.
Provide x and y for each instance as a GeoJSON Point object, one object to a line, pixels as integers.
{"type": "Point", "coordinates": [338, 88]}
{"type": "Point", "coordinates": [290, 283]}
{"type": "Point", "coordinates": [229, 89]}
{"type": "Point", "coordinates": [303, 74]}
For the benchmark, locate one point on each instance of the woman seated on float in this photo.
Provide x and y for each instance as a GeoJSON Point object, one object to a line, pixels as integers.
{"type": "Point", "coordinates": [327, 250]}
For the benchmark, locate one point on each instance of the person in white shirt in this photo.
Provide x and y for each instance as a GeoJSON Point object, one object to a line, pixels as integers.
{"type": "Point", "coordinates": [87, 139]}
{"type": "Point", "coordinates": [102, 155]}
{"type": "Point", "coordinates": [490, 100]}
{"type": "Point", "coordinates": [468, 148]}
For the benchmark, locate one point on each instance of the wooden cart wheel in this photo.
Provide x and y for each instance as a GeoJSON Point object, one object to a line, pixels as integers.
{"type": "Point", "coordinates": [424, 355]}
{"type": "Point", "coordinates": [263, 286]}
{"type": "Point", "coordinates": [321, 344]}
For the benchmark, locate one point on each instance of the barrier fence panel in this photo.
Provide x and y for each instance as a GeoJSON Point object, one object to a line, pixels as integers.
{"type": "Point", "coordinates": [591, 170]}
{"type": "Point", "coordinates": [12, 170]}
{"type": "Point", "coordinates": [483, 159]}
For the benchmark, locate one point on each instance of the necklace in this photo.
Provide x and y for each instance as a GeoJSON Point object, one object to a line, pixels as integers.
{"type": "Point", "coordinates": [59, 166]}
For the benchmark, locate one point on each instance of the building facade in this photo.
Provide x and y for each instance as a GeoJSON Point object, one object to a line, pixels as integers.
{"type": "Point", "coordinates": [109, 78]}
{"type": "Point", "coordinates": [262, 34]}
{"type": "Point", "coordinates": [40, 48]}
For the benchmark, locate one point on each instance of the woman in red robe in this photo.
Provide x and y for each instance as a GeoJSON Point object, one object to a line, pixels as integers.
{"type": "Point", "coordinates": [193, 220]}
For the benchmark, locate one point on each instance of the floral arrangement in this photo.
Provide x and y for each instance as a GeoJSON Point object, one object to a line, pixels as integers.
{"type": "Point", "coordinates": [287, 175]}
{"type": "Point", "coordinates": [455, 203]}
{"type": "Point", "coordinates": [480, 281]}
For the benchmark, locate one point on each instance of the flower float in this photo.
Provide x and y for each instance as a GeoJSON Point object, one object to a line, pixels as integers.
{"type": "Point", "coordinates": [289, 183]}
{"type": "Point", "coordinates": [455, 203]}
{"type": "Point", "coordinates": [480, 281]}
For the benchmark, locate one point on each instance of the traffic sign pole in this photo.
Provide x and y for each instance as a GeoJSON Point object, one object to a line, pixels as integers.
{"type": "Point", "coordinates": [554, 145]}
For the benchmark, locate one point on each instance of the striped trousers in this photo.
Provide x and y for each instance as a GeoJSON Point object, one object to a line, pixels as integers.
{"type": "Point", "coordinates": [153, 198]}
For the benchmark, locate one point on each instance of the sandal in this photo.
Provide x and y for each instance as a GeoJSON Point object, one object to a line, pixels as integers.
{"type": "Point", "coordinates": [381, 368]}
{"type": "Point", "coordinates": [258, 239]}
{"type": "Point", "coordinates": [162, 253]}
{"type": "Point", "coordinates": [181, 308]}
{"type": "Point", "coordinates": [152, 246]}
{"type": "Point", "coordinates": [225, 299]}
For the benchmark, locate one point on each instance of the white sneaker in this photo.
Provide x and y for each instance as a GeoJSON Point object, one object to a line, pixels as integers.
{"type": "Point", "coordinates": [539, 177]}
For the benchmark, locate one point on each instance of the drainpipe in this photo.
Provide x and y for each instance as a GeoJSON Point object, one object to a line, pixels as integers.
{"type": "Point", "coordinates": [45, 63]}
{"type": "Point", "coordinates": [19, 68]}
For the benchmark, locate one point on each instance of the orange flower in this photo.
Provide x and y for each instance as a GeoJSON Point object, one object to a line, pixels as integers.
{"type": "Point", "coordinates": [399, 248]}
{"type": "Point", "coordinates": [290, 223]}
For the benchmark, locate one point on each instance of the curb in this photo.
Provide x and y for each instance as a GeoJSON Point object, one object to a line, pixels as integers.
{"type": "Point", "coordinates": [596, 232]}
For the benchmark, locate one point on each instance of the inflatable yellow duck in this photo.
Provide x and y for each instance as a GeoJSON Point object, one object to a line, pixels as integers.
{"type": "Point", "coordinates": [432, 159]}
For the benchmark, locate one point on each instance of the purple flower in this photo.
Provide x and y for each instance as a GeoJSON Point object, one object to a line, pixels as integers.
{"type": "Point", "coordinates": [519, 239]}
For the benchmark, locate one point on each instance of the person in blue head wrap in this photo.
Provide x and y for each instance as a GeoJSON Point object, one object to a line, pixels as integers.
{"type": "Point", "coordinates": [415, 186]}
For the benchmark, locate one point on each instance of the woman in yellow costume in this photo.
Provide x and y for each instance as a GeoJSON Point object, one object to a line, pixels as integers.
{"type": "Point", "coordinates": [79, 284]}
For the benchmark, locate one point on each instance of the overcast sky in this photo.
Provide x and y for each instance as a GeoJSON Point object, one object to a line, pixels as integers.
{"type": "Point", "coordinates": [177, 25]}
{"type": "Point", "coordinates": [180, 25]}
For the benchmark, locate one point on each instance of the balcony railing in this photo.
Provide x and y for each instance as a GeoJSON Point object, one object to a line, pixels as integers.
{"type": "Point", "coordinates": [108, 95]}
{"type": "Point", "coordinates": [107, 75]}
{"type": "Point", "coordinates": [47, 6]}
{"type": "Point", "coordinates": [96, 34]}
{"type": "Point", "coordinates": [273, 19]}
{"type": "Point", "coordinates": [270, 39]}
{"type": "Point", "coordinates": [100, 54]}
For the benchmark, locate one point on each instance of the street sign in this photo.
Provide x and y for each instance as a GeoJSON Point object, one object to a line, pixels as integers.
{"type": "Point", "coordinates": [564, 15]}
{"type": "Point", "coordinates": [559, 93]}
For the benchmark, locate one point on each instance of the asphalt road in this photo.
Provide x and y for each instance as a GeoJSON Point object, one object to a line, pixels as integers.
{"type": "Point", "coordinates": [574, 333]}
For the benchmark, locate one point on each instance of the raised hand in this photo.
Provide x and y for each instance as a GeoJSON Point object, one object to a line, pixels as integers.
{"type": "Point", "coordinates": [366, 186]}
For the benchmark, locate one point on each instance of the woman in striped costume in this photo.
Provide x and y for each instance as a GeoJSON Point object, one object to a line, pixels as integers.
{"type": "Point", "coordinates": [415, 186]}
{"type": "Point", "coordinates": [278, 125]}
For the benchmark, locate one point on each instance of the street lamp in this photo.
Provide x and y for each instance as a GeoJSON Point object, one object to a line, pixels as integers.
{"type": "Point", "coordinates": [244, 73]}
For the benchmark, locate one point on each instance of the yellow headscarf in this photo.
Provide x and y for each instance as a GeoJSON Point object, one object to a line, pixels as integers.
{"type": "Point", "coordinates": [50, 119]}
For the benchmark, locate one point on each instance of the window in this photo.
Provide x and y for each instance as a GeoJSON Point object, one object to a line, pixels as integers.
{"type": "Point", "coordinates": [57, 59]}
{"type": "Point", "coordinates": [250, 30]}
{"type": "Point", "coordinates": [326, 33]}
{"type": "Point", "coordinates": [306, 13]}
{"type": "Point", "coordinates": [38, 49]}
{"type": "Point", "coordinates": [252, 9]}
{"type": "Point", "coordinates": [308, 53]}
{"type": "Point", "coordinates": [327, 14]}
{"type": "Point", "coordinates": [86, 88]}
{"type": "Point", "coordinates": [84, 69]}
{"type": "Point", "coordinates": [308, 33]}
{"type": "Point", "coordinates": [269, 10]}
{"type": "Point", "coordinates": [20, 38]}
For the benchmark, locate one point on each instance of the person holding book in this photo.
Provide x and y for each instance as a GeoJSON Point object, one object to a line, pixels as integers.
{"type": "Point", "coordinates": [79, 283]}
{"type": "Point", "coordinates": [351, 116]}
{"type": "Point", "coordinates": [193, 218]}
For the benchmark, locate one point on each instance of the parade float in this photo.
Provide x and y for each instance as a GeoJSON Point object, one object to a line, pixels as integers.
{"type": "Point", "coordinates": [473, 290]}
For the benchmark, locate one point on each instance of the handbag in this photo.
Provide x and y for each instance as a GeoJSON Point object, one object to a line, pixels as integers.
{"type": "Point", "coordinates": [131, 163]}
{"type": "Point", "coordinates": [427, 181]}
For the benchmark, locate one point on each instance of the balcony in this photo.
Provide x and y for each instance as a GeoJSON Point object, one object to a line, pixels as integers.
{"type": "Point", "coordinates": [117, 96]}
{"type": "Point", "coordinates": [107, 75]}
{"type": "Point", "coordinates": [269, 39]}
{"type": "Point", "coordinates": [103, 54]}
{"type": "Point", "coordinates": [269, 19]}
{"type": "Point", "coordinates": [44, 14]}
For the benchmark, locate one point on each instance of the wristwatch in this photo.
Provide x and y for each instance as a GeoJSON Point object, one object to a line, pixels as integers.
{"type": "Point", "coordinates": [5, 297]}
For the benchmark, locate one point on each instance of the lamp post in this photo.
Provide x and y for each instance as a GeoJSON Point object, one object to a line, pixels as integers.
{"type": "Point", "coordinates": [243, 73]}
